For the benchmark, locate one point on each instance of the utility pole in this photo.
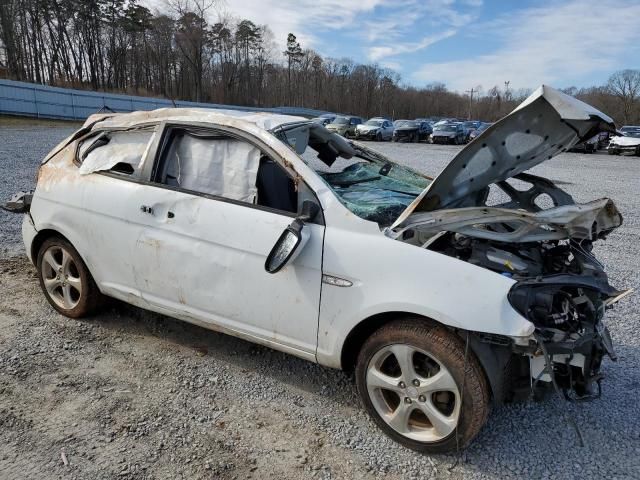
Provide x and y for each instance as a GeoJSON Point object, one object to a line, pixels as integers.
{"type": "Point", "coordinates": [470, 92]}
{"type": "Point", "coordinates": [506, 89]}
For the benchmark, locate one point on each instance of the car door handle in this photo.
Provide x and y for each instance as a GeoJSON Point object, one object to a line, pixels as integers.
{"type": "Point", "coordinates": [146, 209]}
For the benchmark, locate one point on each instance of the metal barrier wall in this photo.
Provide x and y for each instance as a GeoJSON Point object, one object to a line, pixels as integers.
{"type": "Point", "coordinates": [43, 101]}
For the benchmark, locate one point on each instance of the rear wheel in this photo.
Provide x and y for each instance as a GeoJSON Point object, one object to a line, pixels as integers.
{"type": "Point", "coordinates": [65, 279]}
{"type": "Point", "coordinates": [378, 137]}
{"type": "Point", "coordinates": [412, 381]}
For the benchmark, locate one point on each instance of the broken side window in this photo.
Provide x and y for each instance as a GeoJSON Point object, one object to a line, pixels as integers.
{"type": "Point", "coordinates": [117, 151]}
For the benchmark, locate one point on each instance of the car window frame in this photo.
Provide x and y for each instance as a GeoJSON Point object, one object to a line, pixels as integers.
{"type": "Point", "coordinates": [156, 150]}
{"type": "Point", "coordinates": [138, 174]}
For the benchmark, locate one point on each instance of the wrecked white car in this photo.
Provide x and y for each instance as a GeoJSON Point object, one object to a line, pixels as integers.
{"type": "Point", "coordinates": [627, 142]}
{"type": "Point", "coordinates": [442, 295]}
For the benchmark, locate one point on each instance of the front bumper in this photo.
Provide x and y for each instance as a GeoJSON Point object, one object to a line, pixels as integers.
{"type": "Point", "coordinates": [369, 135]}
{"type": "Point", "coordinates": [442, 139]}
{"type": "Point", "coordinates": [405, 134]}
{"type": "Point", "coordinates": [633, 149]}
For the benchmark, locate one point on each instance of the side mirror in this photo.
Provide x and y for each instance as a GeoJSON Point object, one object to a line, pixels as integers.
{"type": "Point", "coordinates": [292, 240]}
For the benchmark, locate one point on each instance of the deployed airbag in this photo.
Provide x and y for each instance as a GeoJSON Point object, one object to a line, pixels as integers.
{"type": "Point", "coordinates": [219, 166]}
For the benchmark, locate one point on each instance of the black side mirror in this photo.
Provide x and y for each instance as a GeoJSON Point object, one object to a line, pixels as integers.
{"type": "Point", "coordinates": [292, 240]}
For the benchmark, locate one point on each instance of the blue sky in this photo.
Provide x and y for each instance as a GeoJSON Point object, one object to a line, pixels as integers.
{"type": "Point", "coordinates": [463, 43]}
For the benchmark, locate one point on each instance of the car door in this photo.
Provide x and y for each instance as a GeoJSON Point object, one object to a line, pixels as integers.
{"type": "Point", "coordinates": [208, 231]}
{"type": "Point", "coordinates": [111, 162]}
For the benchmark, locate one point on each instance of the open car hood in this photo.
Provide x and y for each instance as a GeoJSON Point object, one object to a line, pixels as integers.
{"type": "Point", "coordinates": [547, 123]}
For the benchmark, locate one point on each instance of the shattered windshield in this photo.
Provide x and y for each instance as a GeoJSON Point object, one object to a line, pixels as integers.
{"type": "Point", "coordinates": [370, 185]}
{"type": "Point", "coordinates": [366, 182]}
{"type": "Point", "coordinates": [375, 190]}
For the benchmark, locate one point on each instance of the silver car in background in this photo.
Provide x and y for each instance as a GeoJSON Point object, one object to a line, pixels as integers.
{"type": "Point", "coordinates": [376, 128]}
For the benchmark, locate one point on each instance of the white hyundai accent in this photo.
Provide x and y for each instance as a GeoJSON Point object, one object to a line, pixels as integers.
{"type": "Point", "coordinates": [443, 295]}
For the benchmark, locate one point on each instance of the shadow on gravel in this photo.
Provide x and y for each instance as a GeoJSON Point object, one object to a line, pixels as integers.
{"type": "Point", "coordinates": [126, 320]}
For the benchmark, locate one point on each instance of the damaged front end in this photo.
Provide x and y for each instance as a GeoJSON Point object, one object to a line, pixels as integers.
{"type": "Point", "coordinates": [482, 209]}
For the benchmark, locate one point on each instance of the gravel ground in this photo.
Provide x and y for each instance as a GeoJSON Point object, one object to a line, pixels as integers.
{"type": "Point", "coordinates": [132, 394]}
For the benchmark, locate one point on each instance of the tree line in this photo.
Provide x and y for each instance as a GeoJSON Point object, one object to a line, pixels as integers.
{"type": "Point", "coordinates": [121, 46]}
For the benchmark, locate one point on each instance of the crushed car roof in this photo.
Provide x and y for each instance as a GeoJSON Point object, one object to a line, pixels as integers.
{"type": "Point", "coordinates": [263, 120]}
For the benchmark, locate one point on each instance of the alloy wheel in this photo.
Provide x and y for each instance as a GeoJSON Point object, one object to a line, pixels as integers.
{"type": "Point", "coordinates": [61, 277]}
{"type": "Point", "coordinates": [413, 393]}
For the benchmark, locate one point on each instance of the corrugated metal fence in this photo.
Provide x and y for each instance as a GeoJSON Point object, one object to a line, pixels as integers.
{"type": "Point", "coordinates": [42, 101]}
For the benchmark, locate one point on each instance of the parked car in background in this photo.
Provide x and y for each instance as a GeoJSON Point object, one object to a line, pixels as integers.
{"type": "Point", "coordinates": [376, 128]}
{"type": "Point", "coordinates": [411, 130]}
{"type": "Point", "coordinates": [469, 126]}
{"type": "Point", "coordinates": [588, 146]}
{"type": "Point", "coordinates": [627, 142]}
{"type": "Point", "coordinates": [345, 125]}
{"type": "Point", "coordinates": [603, 140]}
{"type": "Point", "coordinates": [451, 133]}
{"type": "Point", "coordinates": [440, 304]}
{"type": "Point", "coordinates": [325, 119]}
{"type": "Point", "coordinates": [481, 128]}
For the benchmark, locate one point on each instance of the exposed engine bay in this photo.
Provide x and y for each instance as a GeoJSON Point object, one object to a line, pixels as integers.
{"type": "Point", "coordinates": [561, 287]}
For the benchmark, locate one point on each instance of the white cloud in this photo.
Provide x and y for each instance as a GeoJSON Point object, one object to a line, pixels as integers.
{"type": "Point", "coordinates": [547, 45]}
{"type": "Point", "coordinates": [442, 17]}
{"type": "Point", "coordinates": [380, 52]}
{"type": "Point", "coordinates": [304, 18]}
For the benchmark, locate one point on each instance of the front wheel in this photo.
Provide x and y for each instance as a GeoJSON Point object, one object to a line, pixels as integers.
{"type": "Point", "coordinates": [413, 382]}
{"type": "Point", "coordinates": [65, 279]}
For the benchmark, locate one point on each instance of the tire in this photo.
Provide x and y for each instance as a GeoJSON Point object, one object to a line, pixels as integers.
{"type": "Point", "coordinates": [378, 137]}
{"type": "Point", "coordinates": [416, 138]}
{"type": "Point", "coordinates": [461, 411]}
{"type": "Point", "coordinates": [65, 280]}
{"type": "Point", "coordinates": [612, 152]}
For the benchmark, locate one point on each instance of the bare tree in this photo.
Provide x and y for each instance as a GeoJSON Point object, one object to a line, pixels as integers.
{"type": "Point", "coordinates": [625, 85]}
{"type": "Point", "coordinates": [196, 52]}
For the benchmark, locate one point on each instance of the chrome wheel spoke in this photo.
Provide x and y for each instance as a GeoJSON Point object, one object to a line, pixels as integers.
{"type": "Point", "coordinates": [51, 284]}
{"type": "Point", "coordinates": [442, 381]}
{"type": "Point", "coordinates": [75, 283]}
{"type": "Point", "coordinates": [66, 262]}
{"type": "Point", "coordinates": [66, 296]}
{"type": "Point", "coordinates": [404, 356]}
{"type": "Point", "coordinates": [442, 424]}
{"type": "Point", "coordinates": [377, 379]}
{"type": "Point", "coordinates": [399, 419]}
{"type": "Point", "coordinates": [51, 261]}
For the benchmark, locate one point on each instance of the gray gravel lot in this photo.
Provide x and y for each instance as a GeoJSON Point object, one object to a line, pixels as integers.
{"type": "Point", "coordinates": [131, 394]}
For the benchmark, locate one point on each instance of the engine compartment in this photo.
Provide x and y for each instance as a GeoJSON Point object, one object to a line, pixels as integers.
{"type": "Point", "coordinates": [560, 286]}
